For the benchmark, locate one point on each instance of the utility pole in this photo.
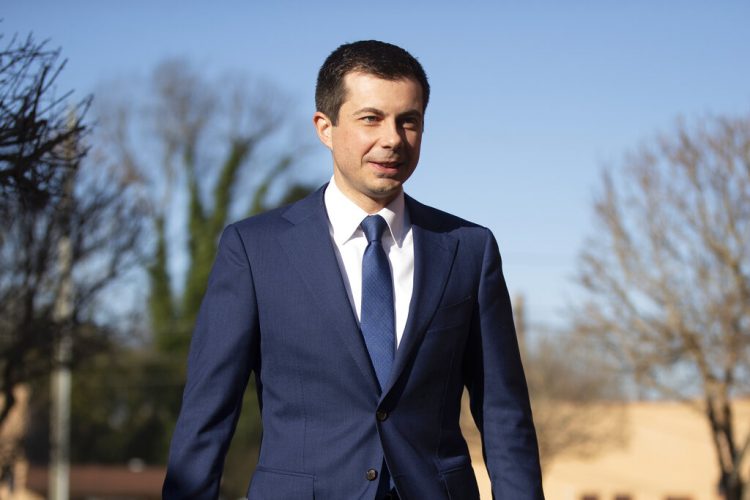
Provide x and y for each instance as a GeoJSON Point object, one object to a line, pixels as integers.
{"type": "Point", "coordinates": [519, 318]}
{"type": "Point", "coordinates": [61, 383]}
{"type": "Point", "coordinates": [59, 470]}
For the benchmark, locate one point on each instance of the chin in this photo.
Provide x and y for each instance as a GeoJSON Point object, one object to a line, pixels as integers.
{"type": "Point", "coordinates": [386, 188]}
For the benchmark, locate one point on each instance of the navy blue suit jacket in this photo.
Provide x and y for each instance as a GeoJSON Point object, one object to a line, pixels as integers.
{"type": "Point", "coordinates": [276, 304]}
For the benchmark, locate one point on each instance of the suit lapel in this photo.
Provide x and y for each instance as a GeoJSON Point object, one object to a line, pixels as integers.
{"type": "Point", "coordinates": [434, 251]}
{"type": "Point", "coordinates": [310, 249]}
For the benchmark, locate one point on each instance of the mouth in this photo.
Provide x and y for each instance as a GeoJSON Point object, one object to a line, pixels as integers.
{"type": "Point", "coordinates": [386, 165]}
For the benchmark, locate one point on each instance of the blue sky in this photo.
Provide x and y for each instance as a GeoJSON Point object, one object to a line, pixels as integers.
{"type": "Point", "coordinates": [530, 100]}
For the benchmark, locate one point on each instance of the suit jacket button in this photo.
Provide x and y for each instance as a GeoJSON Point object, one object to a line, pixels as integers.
{"type": "Point", "coordinates": [371, 475]}
{"type": "Point", "coordinates": [381, 415]}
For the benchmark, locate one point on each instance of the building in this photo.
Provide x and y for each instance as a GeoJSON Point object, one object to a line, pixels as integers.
{"type": "Point", "coordinates": [667, 454]}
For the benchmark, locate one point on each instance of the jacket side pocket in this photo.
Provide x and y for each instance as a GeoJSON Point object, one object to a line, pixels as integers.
{"type": "Point", "coordinates": [273, 484]}
{"type": "Point", "coordinates": [461, 484]}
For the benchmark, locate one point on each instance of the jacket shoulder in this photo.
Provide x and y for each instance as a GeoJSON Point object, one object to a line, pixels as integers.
{"type": "Point", "coordinates": [281, 218]}
{"type": "Point", "coordinates": [434, 219]}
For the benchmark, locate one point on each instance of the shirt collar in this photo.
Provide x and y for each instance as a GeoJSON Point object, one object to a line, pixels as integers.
{"type": "Point", "coordinates": [345, 216]}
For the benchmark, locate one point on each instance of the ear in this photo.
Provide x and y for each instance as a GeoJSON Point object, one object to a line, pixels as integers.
{"type": "Point", "coordinates": [324, 127]}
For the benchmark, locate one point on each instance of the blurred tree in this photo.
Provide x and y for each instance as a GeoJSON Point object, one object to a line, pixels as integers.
{"type": "Point", "coordinates": [50, 193]}
{"type": "Point", "coordinates": [578, 410]}
{"type": "Point", "coordinates": [668, 276]}
{"type": "Point", "coordinates": [213, 155]}
{"type": "Point", "coordinates": [575, 398]}
{"type": "Point", "coordinates": [570, 392]}
{"type": "Point", "coordinates": [207, 153]}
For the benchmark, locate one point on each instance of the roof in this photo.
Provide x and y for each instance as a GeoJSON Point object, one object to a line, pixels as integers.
{"type": "Point", "coordinates": [104, 481]}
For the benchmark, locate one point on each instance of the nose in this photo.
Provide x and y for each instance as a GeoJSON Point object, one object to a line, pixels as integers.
{"type": "Point", "coordinates": [392, 135]}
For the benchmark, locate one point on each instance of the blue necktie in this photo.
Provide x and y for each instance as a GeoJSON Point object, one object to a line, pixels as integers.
{"type": "Point", "coordinates": [377, 322]}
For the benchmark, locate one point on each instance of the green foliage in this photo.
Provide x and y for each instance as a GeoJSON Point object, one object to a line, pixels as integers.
{"type": "Point", "coordinates": [134, 392]}
{"type": "Point", "coordinates": [161, 307]}
{"type": "Point", "coordinates": [172, 325]}
{"type": "Point", "coordinates": [122, 407]}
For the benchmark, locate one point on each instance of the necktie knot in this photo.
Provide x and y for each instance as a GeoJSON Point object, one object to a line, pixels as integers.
{"type": "Point", "coordinates": [373, 227]}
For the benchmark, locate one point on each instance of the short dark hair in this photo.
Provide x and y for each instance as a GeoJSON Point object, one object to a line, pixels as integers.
{"type": "Point", "coordinates": [372, 57]}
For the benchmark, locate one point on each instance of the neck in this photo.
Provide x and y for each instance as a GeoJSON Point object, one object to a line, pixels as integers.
{"type": "Point", "coordinates": [370, 204]}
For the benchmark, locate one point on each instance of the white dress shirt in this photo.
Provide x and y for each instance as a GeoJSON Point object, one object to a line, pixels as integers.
{"type": "Point", "coordinates": [344, 218]}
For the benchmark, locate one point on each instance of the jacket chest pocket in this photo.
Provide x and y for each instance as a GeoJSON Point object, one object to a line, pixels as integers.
{"type": "Point", "coordinates": [456, 315]}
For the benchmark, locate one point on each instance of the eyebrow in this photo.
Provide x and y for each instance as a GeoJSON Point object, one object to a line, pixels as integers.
{"type": "Point", "coordinates": [369, 110]}
{"type": "Point", "coordinates": [376, 111]}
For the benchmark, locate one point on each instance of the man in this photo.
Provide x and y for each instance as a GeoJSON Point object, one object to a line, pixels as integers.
{"type": "Point", "coordinates": [363, 314]}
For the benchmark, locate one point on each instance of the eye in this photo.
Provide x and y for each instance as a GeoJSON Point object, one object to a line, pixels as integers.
{"type": "Point", "coordinates": [411, 123]}
{"type": "Point", "coordinates": [369, 119]}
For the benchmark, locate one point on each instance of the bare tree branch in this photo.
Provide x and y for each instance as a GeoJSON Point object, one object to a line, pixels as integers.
{"type": "Point", "coordinates": [35, 124]}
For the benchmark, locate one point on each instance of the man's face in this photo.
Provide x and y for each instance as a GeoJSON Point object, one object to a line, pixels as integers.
{"type": "Point", "coordinates": [376, 142]}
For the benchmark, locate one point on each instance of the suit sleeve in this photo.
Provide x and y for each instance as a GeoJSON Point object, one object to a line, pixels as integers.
{"type": "Point", "coordinates": [223, 351]}
{"type": "Point", "coordinates": [497, 388]}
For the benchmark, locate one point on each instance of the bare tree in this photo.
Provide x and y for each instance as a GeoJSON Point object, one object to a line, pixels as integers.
{"type": "Point", "coordinates": [35, 124]}
{"type": "Point", "coordinates": [104, 225]}
{"type": "Point", "coordinates": [668, 276]}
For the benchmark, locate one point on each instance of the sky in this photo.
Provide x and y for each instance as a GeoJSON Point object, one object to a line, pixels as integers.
{"type": "Point", "coordinates": [530, 100]}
